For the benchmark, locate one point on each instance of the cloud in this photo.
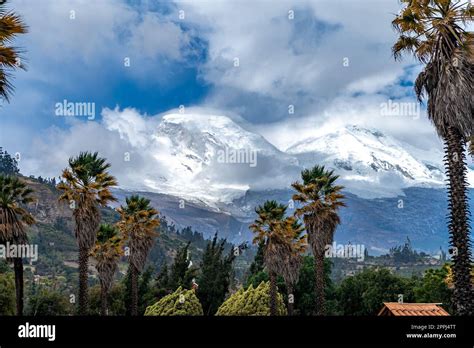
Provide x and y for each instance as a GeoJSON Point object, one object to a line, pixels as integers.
{"type": "Point", "coordinates": [181, 156]}
{"type": "Point", "coordinates": [306, 60]}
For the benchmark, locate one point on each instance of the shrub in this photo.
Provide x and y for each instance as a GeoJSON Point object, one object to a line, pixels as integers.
{"type": "Point", "coordinates": [253, 301]}
{"type": "Point", "coordinates": [180, 302]}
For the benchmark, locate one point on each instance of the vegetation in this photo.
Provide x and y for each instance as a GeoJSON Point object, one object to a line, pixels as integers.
{"type": "Point", "coordinates": [14, 217]}
{"type": "Point", "coordinates": [252, 301]}
{"type": "Point", "coordinates": [49, 302]}
{"type": "Point", "coordinates": [434, 31]}
{"type": "Point", "coordinates": [215, 277]}
{"type": "Point", "coordinates": [180, 302]}
{"type": "Point", "coordinates": [107, 252]}
{"type": "Point", "coordinates": [321, 199]}
{"type": "Point", "coordinates": [11, 25]}
{"type": "Point", "coordinates": [8, 164]}
{"type": "Point", "coordinates": [269, 231]}
{"type": "Point", "coordinates": [7, 294]}
{"type": "Point", "coordinates": [86, 186]}
{"type": "Point", "coordinates": [138, 224]}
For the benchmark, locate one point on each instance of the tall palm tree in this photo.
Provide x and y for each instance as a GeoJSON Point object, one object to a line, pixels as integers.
{"type": "Point", "coordinates": [434, 31]}
{"type": "Point", "coordinates": [138, 223]}
{"type": "Point", "coordinates": [321, 199]}
{"type": "Point", "coordinates": [294, 231]}
{"type": "Point", "coordinates": [268, 230]}
{"type": "Point", "coordinates": [85, 186]}
{"type": "Point", "coordinates": [107, 252]}
{"type": "Point", "coordinates": [14, 196]}
{"type": "Point", "coordinates": [10, 26]}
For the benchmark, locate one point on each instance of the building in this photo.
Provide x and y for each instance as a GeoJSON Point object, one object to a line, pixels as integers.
{"type": "Point", "coordinates": [412, 309]}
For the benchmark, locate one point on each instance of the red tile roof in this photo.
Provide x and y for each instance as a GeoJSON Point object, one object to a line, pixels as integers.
{"type": "Point", "coordinates": [412, 309]}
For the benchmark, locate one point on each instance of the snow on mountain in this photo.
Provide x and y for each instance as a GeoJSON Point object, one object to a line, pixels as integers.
{"type": "Point", "coordinates": [371, 163]}
{"type": "Point", "coordinates": [213, 159]}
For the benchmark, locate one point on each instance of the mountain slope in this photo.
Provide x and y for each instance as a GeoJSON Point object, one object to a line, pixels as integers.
{"type": "Point", "coordinates": [369, 162]}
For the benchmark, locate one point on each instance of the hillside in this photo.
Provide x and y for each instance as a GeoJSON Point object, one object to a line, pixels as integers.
{"type": "Point", "coordinates": [54, 235]}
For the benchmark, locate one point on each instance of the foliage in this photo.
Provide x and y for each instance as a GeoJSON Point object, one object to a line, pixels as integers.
{"type": "Point", "coordinates": [215, 277]}
{"type": "Point", "coordinates": [364, 293]}
{"type": "Point", "coordinates": [436, 32]}
{"type": "Point", "coordinates": [181, 273]}
{"type": "Point", "coordinates": [7, 294]}
{"type": "Point", "coordinates": [304, 289]}
{"type": "Point", "coordinates": [138, 223]}
{"type": "Point", "coordinates": [11, 25]}
{"type": "Point", "coordinates": [107, 252]}
{"type": "Point", "coordinates": [180, 302]}
{"type": "Point", "coordinates": [8, 164]}
{"type": "Point", "coordinates": [433, 288]}
{"type": "Point", "coordinates": [115, 300]}
{"type": "Point", "coordinates": [49, 302]}
{"type": "Point", "coordinates": [251, 302]}
{"type": "Point", "coordinates": [146, 293]}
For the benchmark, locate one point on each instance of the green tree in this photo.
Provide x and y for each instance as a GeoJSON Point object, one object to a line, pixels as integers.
{"type": "Point", "coordinates": [49, 302]}
{"type": "Point", "coordinates": [180, 302]}
{"type": "Point", "coordinates": [138, 223]}
{"type": "Point", "coordinates": [304, 289]}
{"type": "Point", "coordinates": [115, 300]}
{"type": "Point", "coordinates": [7, 294]}
{"type": "Point", "coordinates": [251, 302]}
{"type": "Point", "coordinates": [434, 31]}
{"type": "Point", "coordinates": [14, 218]}
{"type": "Point", "coordinates": [215, 277]}
{"type": "Point", "coordinates": [10, 59]}
{"type": "Point", "coordinates": [8, 164]}
{"type": "Point", "coordinates": [293, 259]}
{"type": "Point", "coordinates": [182, 272]}
{"type": "Point", "coordinates": [85, 186]}
{"type": "Point", "coordinates": [433, 288]}
{"type": "Point", "coordinates": [162, 282]}
{"type": "Point", "coordinates": [364, 293]}
{"type": "Point", "coordinates": [107, 253]}
{"type": "Point", "coordinates": [321, 199]}
{"type": "Point", "coordinates": [267, 229]}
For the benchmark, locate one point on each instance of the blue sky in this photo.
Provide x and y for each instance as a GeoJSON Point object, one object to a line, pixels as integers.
{"type": "Point", "coordinates": [183, 53]}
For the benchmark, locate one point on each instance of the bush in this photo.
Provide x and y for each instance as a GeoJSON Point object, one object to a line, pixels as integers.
{"type": "Point", "coordinates": [7, 294]}
{"type": "Point", "coordinates": [115, 300]}
{"type": "Point", "coordinates": [253, 301]}
{"type": "Point", "coordinates": [180, 302]}
{"type": "Point", "coordinates": [49, 302]}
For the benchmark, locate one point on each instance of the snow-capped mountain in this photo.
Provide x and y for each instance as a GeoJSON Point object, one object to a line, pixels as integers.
{"type": "Point", "coordinates": [210, 172]}
{"type": "Point", "coordinates": [370, 162]}
{"type": "Point", "coordinates": [214, 160]}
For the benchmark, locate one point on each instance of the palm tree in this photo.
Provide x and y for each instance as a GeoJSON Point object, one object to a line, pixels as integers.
{"type": "Point", "coordinates": [85, 186]}
{"type": "Point", "coordinates": [10, 26]}
{"type": "Point", "coordinates": [268, 230]}
{"type": "Point", "coordinates": [434, 32]}
{"type": "Point", "coordinates": [138, 224]}
{"type": "Point", "coordinates": [107, 252]}
{"type": "Point", "coordinates": [321, 199]}
{"type": "Point", "coordinates": [294, 231]}
{"type": "Point", "coordinates": [14, 195]}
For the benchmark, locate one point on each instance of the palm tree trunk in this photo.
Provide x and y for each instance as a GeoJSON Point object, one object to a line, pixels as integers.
{"type": "Point", "coordinates": [83, 280]}
{"type": "Point", "coordinates": [103, 301]}
{"type": "Point", "coordinates": [319, 284]}
{"type": "Point", "coordinates": [18, 267]}
{"type": "Point", "coordinates": [134, 290]}
{"type": "Point", "coordinates": [455, 163]}
{"type": "Point", "coordinates": [273, 293]}
{"type": "Point", "coordinates": [290, 301]}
